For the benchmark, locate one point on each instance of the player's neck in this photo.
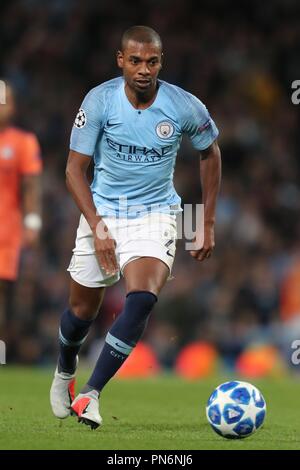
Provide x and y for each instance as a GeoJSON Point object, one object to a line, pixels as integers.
{"type": "Point", "coordinates": [141, 100]}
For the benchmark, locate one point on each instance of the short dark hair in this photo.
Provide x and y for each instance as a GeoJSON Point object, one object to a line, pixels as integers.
{"type": "Point", "coordinates": [142, 34]}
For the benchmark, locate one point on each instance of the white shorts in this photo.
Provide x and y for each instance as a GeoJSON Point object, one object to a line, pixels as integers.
{"type": "Point", "coordinates": [153, 235]}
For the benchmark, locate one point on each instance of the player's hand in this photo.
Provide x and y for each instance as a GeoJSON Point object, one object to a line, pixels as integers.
{"type": "Point", "coordinates": [208, 244]}
{"type": "Point", "coordinates": [31, 238]}
{"type": "Point", "coordinates": [105, 247]}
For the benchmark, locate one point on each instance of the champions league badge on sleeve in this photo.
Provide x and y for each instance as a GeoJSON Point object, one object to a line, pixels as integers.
{"type": "Point", "coordinates": [80, 120]}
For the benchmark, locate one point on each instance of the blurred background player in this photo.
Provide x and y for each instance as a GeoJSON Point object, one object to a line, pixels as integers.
{"type": "Point", "coordinates": [132, 126]}
{"type": "Point", "coordinates": [20, 219]}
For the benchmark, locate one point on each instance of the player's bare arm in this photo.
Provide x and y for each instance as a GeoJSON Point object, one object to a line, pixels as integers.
{"type": "Point", "coordinates": [77, 183]}
{"type": "Point", "coordinates": [31, 191]}
{"type": "Point", "coordinates": [210, 176]}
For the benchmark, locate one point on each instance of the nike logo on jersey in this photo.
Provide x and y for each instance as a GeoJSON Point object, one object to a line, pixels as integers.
{"type": "Point", "coordinates": [110, 124]}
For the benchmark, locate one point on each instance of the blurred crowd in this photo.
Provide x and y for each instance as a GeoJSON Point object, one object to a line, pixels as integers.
{"type": "Point", "coordinates": [240, 60]}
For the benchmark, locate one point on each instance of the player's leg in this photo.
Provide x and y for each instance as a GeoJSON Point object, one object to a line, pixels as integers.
{"type": "Point", "coordinates": [86, 294]}
{"type": "Point", "coordinates": [144, 279]}
{"type": "Point", "coordinates": [84, 305]}
{"type": "Point", "coordinates": [146, 265]}
{"type": "Point", "coordinates": [145, 273]}
{"type": "Point", "coordinates": [74, 327]}
{"type": "Point", "coordinates": [6, 306]}
{"type": "Point", "coordinates": [2, 304]}
{"type": "Point", "coordinates": [9, 263]}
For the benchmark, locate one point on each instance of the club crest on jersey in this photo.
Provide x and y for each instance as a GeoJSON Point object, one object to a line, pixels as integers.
{"type": "Point", "coordinates": [165, 129]}
{"type": "Point", "coordinates": [80, 120]}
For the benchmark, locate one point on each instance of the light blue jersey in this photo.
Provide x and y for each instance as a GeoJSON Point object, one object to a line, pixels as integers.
{"type": "Point", "coordinates": [135, 150]}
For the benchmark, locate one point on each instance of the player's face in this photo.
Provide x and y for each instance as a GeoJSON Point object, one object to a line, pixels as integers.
{"type": "Point", "coordinates": [141, 63]}
{"type": "Point", "coordinates": [7, 110]}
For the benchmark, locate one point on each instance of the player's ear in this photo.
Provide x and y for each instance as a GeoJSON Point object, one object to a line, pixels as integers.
{"type": "Point", "coordinates": [120, 58]}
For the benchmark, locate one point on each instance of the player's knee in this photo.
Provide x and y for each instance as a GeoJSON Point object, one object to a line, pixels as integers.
{"type": "Point", "coordinates": [83, 309]}
{"type": "Point", "coordinates": [148, 286]}
{"type": "Point", "coordinates": [153, 284]}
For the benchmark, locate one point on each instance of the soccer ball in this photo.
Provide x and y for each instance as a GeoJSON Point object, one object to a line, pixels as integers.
{"type": "Point", "coordinates": [236, 409]}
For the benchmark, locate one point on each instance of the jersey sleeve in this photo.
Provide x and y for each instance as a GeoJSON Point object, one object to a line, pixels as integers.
{"type": "Point", "coordinates": [88, 124]}
{"type": "Point", "coordinates": [30, 162]}
{"type": "Point", "coordinates": [198, 124]}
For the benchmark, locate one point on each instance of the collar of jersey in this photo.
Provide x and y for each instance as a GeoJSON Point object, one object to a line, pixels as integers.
{"type": "Point", "coordinates": [160, 84]}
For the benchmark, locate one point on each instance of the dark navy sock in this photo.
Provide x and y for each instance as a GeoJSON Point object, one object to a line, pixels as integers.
{"type": "Point", "coordinates": [122, 337]}
{"type": "Point", "coordinates": [72, 333]}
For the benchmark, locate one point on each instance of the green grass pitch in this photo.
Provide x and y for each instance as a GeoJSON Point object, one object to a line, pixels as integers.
{"type": "Point", "coordinates": [164, 413]}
